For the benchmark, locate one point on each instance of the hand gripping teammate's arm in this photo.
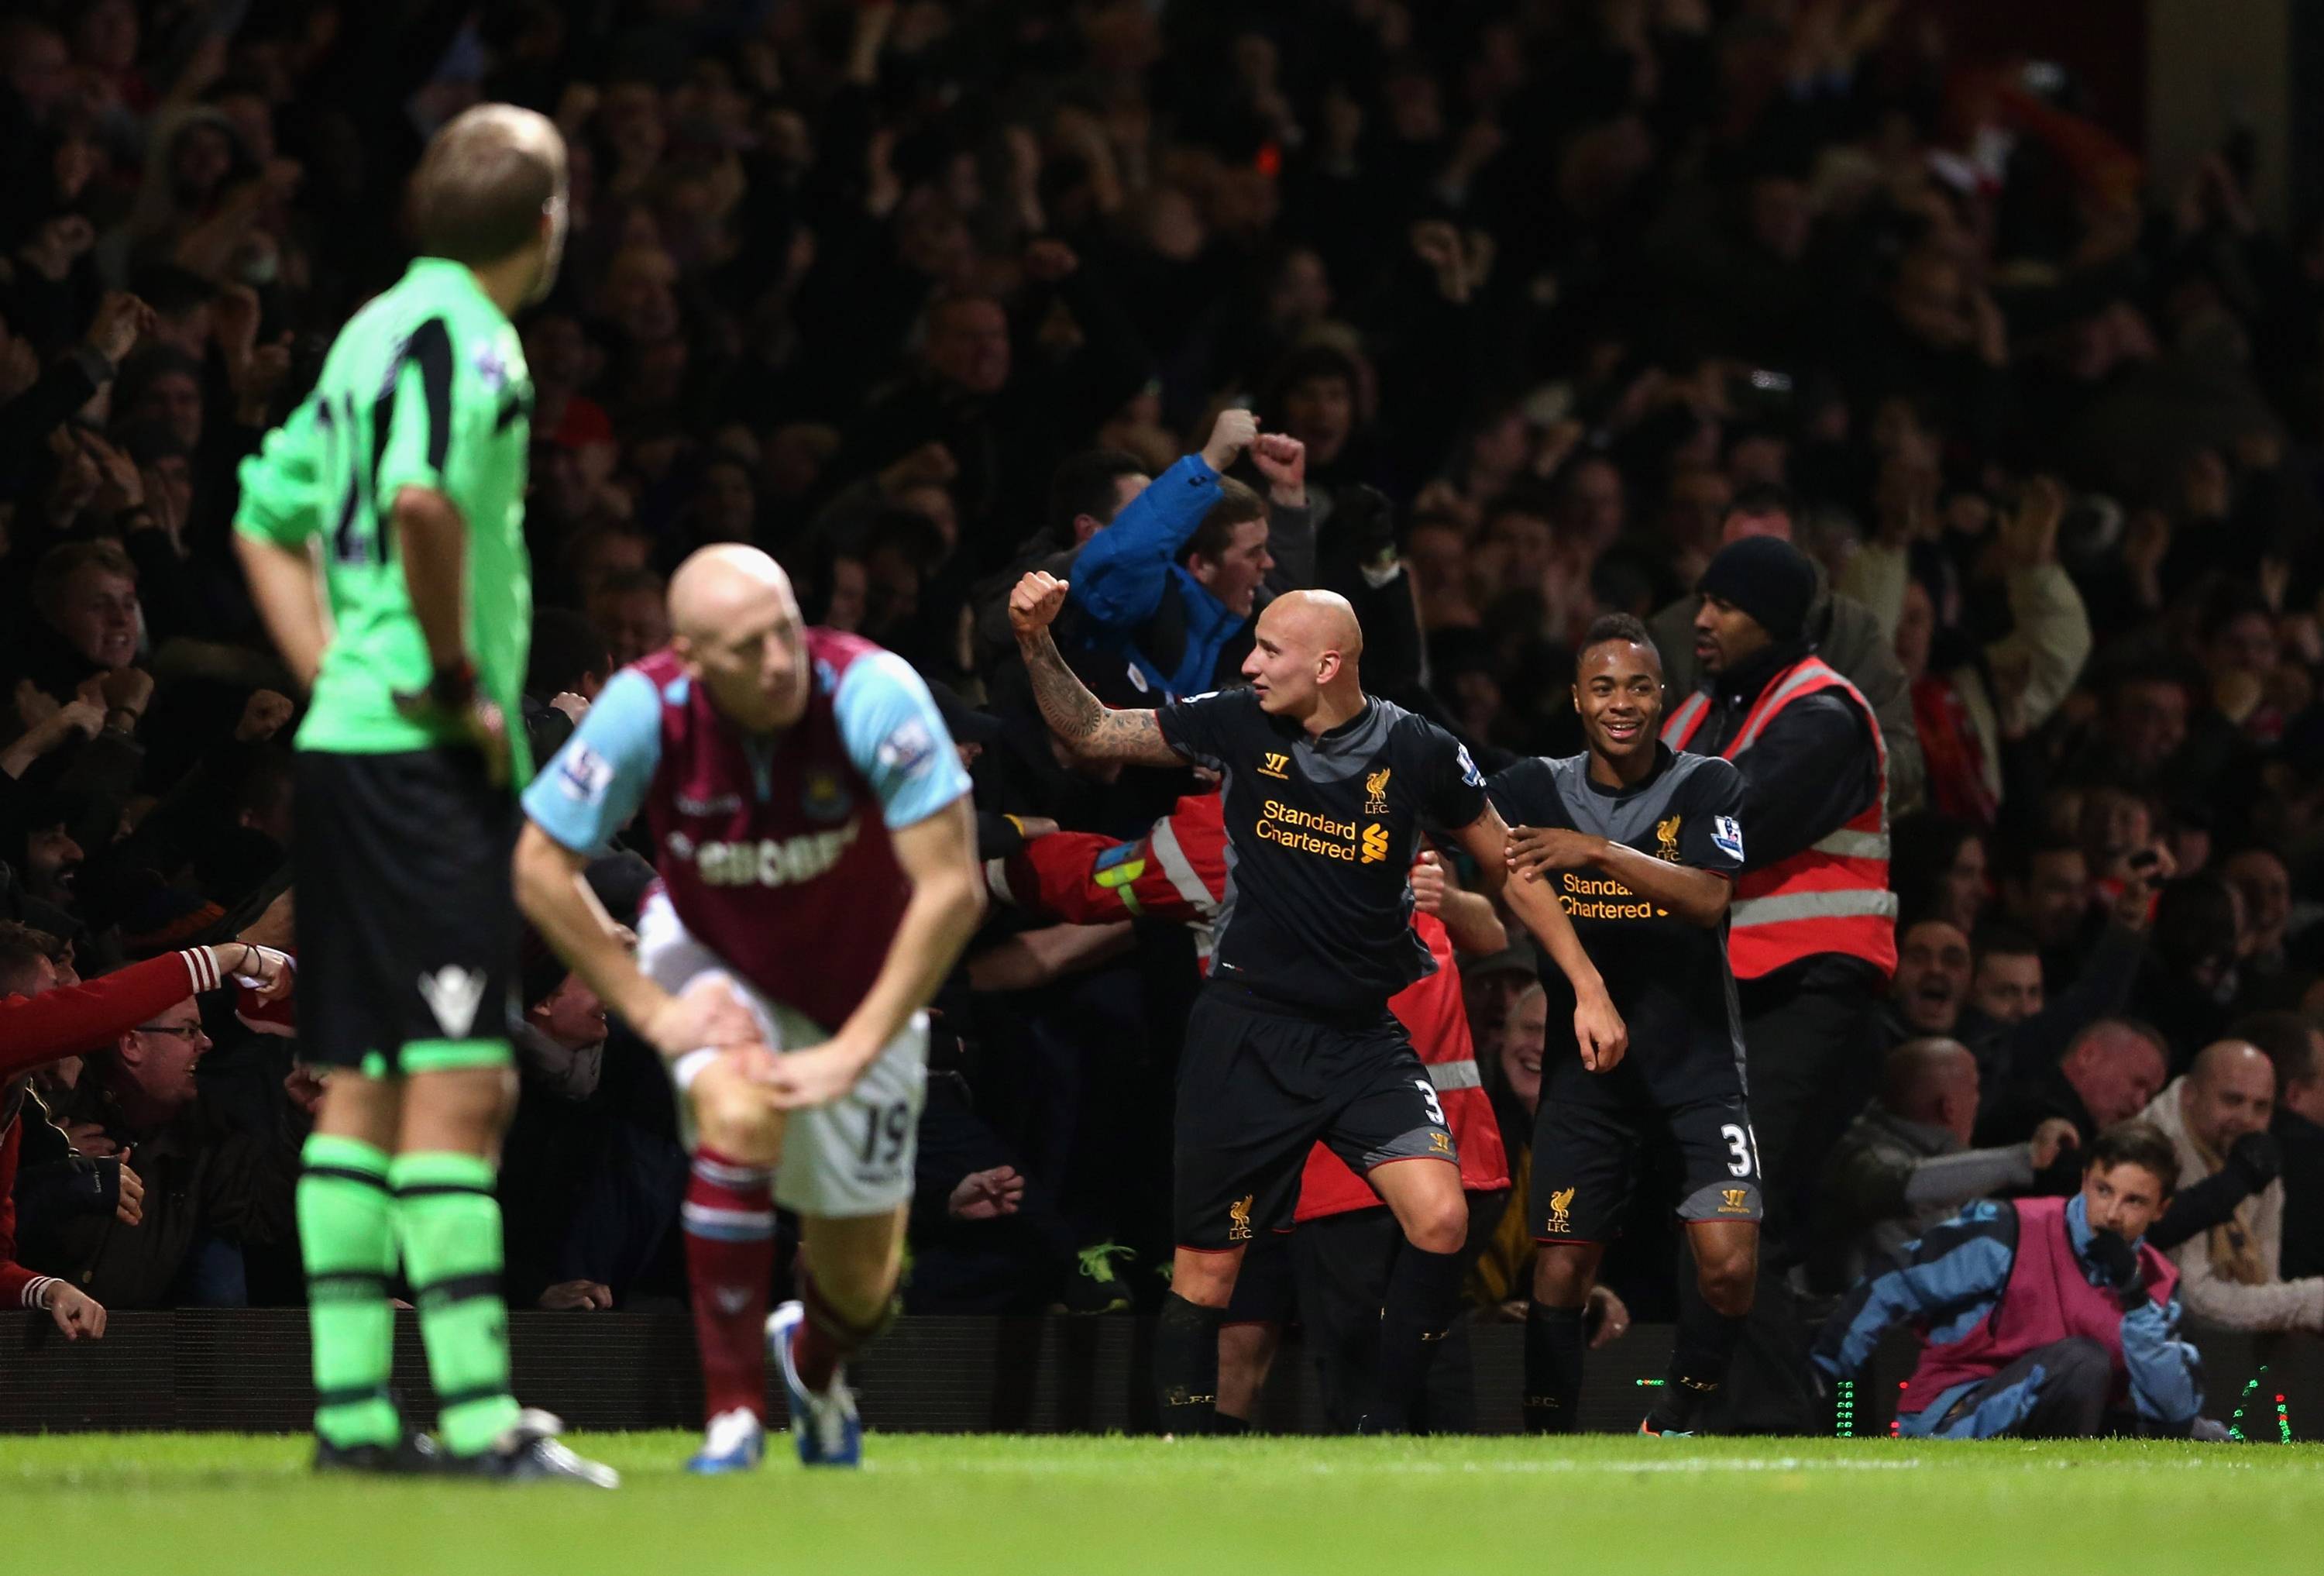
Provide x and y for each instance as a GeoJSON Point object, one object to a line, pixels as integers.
{"type": "Point", "coordinates": [1695, 895]}
{"type": "Point", "coordinates": [1694, 883]}
{"type": "Point", "coordinates": [1073, 714]}
{"type": "Point", "coordinates": [279, 513]}
{"type": "Point", "coordinates": [572, 809]}
{"type": "Point", "coordinates": [1597, 1029]}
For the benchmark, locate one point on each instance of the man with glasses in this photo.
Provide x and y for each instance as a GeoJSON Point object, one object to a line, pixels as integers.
{"type": "Point", "coordinates": [210, 1187]}
{"type": "Point", "coordinates": [142, 1014]}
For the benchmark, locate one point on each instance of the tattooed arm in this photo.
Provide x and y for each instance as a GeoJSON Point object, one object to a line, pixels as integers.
{"type": "Point", "coordinates": [1073, 714]}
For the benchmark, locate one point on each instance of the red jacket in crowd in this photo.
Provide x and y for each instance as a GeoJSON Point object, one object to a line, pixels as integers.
{"type": "Point", "coordinates": [35, 1030]}
{"type": "Point", "coordinates": [1178, 872]}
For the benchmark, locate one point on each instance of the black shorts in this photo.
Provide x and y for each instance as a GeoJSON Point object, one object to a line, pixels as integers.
{"type": "Point", "coordinates": [1594, 1131]}
{"type": "Point", "coordinates": [407, 919]}
{"type": "Point", "coordinates": [1260, 1082]}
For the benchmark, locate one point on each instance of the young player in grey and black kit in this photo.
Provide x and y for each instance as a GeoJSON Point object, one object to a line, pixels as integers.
{"type": "Point", "coordinates": [1640, 844]}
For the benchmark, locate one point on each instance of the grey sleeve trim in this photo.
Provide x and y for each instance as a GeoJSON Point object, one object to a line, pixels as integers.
{"type": "Point", "coordinates": [1951, 1179]}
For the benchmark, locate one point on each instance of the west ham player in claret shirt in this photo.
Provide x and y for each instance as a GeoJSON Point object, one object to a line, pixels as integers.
{"type": "Point", "coordinates": [1325, 790]}
{"type": "Point", "coordinates": [810, 822]}
{"type": "Point", "coordinates": [1641, 845]}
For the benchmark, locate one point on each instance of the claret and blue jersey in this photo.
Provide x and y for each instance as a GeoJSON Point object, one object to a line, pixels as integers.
{"type": "Point", "coordinates": [737, 819]}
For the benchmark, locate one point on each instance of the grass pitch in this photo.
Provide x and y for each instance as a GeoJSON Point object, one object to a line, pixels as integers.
{"type": "Point", "coordinates": [243, 1504]}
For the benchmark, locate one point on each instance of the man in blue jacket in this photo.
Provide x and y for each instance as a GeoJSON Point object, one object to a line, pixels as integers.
{"type": "Point", "coordinates": [1167, 593]}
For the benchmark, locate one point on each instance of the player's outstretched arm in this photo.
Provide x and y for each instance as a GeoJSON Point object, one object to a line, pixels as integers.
{"type": "Point", "coordinates": [1699, 897]}
{"type": "Point", "coordinates": [939, 859]}
{"type": "Point", "coordinates": [554, 893]}
{"type": "Point", "coordinates": [1596, 1025]}
{"type": "Point", "coordinates": [1072, 712]}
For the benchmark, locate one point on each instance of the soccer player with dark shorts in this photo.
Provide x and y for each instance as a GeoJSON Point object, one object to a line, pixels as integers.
{"type": "Point", "coordinates": [400, 479]}
{"type": "Point", "coordinates": [1325, 791]}
{"type": "Point", "coordinates": [1641, 846]}
{"type": "Point", "coordinates": [810, 822]}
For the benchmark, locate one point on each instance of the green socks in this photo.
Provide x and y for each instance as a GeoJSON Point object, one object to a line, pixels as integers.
{"type": "Point", "coordinates": [442, 1207]}
{"type": "Point", "coordinates": [450, 1225]}
{"type": "Point", "coordinates": [347, 1234]}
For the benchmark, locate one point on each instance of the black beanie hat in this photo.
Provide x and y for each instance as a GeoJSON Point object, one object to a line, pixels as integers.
{"type": "Point", "coordinates": [1766, 577]}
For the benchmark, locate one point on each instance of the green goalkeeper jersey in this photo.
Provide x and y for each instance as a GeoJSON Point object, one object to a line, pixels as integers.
{"type": "Point", "coordinates": [426, 386]}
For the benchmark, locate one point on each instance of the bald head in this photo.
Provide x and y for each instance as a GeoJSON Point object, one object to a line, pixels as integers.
{"type": "Point", "coordinates": [2223, 1060]}
{"type": "Point", "coordinates": [737, 628]}
{"type": "Point", "coordinates": [718, 586]}
{"type": "Point", "coordinates": [1303, 659]}
{"type": "Point", "coordinates": [2230, 1092]}
{"type": "Point", "coordinates": [1316, 621]}
{"type": "Point", "coordinates": [490, 185]}
{"type": "Point", "coordinates": [1933, 1081]}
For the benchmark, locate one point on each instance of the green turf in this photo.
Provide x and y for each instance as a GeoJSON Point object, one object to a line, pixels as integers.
{"type": "Point", "coordinates": [234, 1504]}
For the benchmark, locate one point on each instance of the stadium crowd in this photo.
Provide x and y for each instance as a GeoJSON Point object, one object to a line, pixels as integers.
{"type": "Point", "coordinates": [1494, 317]}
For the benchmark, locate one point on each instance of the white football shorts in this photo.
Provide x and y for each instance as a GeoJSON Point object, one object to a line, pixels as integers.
{"type": "Point", "coordinates": [851, 1158]}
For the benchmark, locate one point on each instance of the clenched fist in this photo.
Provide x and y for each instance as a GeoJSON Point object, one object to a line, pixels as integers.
{"type": "Point", "coordinates": [1233, 432]}
{"type": "Point", "coordinates": [1034, 606]}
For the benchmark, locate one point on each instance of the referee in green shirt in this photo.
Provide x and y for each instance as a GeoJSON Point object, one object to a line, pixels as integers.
{"type": "Point", "coordinates": [402, 480]}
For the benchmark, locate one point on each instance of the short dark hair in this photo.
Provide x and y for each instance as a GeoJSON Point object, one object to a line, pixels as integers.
{"type": "Point", "coordinates": [2004, 941]}
{"type": "Point", "coordinates": [483, 185]}
{"type": "Point", "coordinates": [61, 563]}
{"type": "Point", "coordinates": [147, 366]}
{"type": "Point", "coordinates": [2194, 919]}
{"type": "Point", "coordinates": [2017, 856]}
{"type": "Point", "coordinates": [1609, 627]}
{"type": "Point", "coordinates": [1765, 498]}
{"type": "Point", "coordinates": [567, 648]}
{"type": "Point", "coordinates": [22, 949]}
{"type": "Point", "coordinates": [1236, 505]}
{"type": "Point", "coordinates": [1304, 365]}
{"type": "Point", "coordinates": [2287, 1039]}
{"type": "Point", "coordinates": [2137, 1142]}
{"type": "Point", "coordinates": [1087, 484]}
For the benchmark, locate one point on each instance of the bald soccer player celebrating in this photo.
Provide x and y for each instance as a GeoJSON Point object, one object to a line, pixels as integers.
{"type": "Point", "coordinates": [1326, 792]}
{"type": "Point", "coordinates": [809, 818]}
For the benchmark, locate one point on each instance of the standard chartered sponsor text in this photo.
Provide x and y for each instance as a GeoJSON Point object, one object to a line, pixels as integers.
{"type": "Point", "coordinates": [1308, 832]}
{"type": "Point", "coordinates": [1594, 897]}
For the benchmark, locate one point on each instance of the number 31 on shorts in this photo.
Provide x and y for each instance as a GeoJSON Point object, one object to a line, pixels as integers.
{"type": "Point", "coordinates": [1744, 1144]}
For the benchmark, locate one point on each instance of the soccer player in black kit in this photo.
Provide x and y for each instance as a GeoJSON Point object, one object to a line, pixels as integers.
{"type": "Point", "coordinates": [1641, 846]}
{"type": "Point", "coordinates": [1325, 793]}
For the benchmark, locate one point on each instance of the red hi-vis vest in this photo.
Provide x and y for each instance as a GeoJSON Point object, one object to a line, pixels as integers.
{"type": "Point", "coordinates": [1831, 896]}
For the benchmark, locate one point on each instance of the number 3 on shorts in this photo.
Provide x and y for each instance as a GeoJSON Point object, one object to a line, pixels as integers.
{"type": "Point", "coordinates": [1428, 1094]}
{"type": "Point", "coordinates": [1744, 1146]}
